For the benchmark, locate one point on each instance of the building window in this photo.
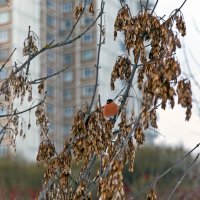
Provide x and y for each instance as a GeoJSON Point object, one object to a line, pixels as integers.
{"type": "Point", "coordinates": [50, 91]}
{"type": "Point", "coordinates": [67, 94]}
{"type": "Point", "coordinates": [67, 7]}
{"type": "Point", "coordinates": [68, 59]}
{"type": "Point", "coordinates": [67, 24]}
{"type": "Point", "coordinates": [50, 21]}
{"type": "Point", "coordinates": [87, 38]}
{"type": "Point", "coordinates": [3, 74]}
{"type": "Point", "coordinates": [50, 108]}
{"type": "Point", "coordinates": [50, 56]}
{"type": "Point", "coordinates": [3, 36]}
{"type": "Point", "coordinates": [50, 4]}
{"type": "Point", "coordinates": [68, 76]}
{"type": "Point", "coordinates": [50, 71]}
{"type": "Point", "coordinates": [50, 37]}
{"type": "Point", "coordinates": [4, 17]}
{"type": "Point", "coordinates": [87, 91]}
{"type": "Point", "coordinates": [68, 111]}
{"type": "Point", "coordinates": [4, 55]}
{"type": "Point", "coordinates": [87, 73]}
{"type": "Point", "coordinates": [87, 20]}
{"type": "Point", "coordinates": [67, 129]}
{"type": "Point", "coordinates": [87, 55]}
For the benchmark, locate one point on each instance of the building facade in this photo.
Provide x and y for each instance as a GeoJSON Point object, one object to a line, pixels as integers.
{"type": "Point", "coordinates": [15, 18]}
{"type": "Point", "coordinates": [67, 92]}
{"type": "Point", "coordinates": [5, 50]}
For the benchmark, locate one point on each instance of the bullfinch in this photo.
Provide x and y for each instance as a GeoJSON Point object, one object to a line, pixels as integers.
{"type": "Point", "coordinates": [110, 110]}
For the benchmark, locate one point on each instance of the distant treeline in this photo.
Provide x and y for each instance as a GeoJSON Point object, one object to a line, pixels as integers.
{"type": "Point", "coordinates": [23, 181]}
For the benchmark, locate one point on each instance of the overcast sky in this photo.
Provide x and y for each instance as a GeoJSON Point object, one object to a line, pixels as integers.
{"type": "Point", "coordinates": [172, 123]}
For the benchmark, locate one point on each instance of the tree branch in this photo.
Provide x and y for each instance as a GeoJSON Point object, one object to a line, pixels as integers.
{"type": "Point", "coordinates": [39, 80]}
{"type": "Point", "coordinates": [186, 172]}
{"type": "Point", "coordinates": [98, 56]}
{"type": "Point", "coordinates": [165, 172]}
{"type": "Point", "coordinates": [59, 44]}
{"type": "Point", "coordinates": [8, 59]}
{"type": "Point", "coordinates": [26, 110]}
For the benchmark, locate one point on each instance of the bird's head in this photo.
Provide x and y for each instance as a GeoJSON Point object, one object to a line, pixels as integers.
{"type": "Point", "coordinates": [109, 101]}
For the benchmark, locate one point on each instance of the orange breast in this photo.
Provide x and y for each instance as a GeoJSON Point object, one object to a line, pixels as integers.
{"type": "Point", "coordinates": [110, 109]}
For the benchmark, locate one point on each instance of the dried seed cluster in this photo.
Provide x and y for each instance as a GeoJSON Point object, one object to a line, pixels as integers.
{"type": "Point", "coordinates": [42, 119]}
{"type": "Point", "coordinates": [125, 129]}
{"type": "Point", "coordinates": [184, 96]}
{"type": "Point", "coordinates": [94, 138]}
{"type": "Point", "coordinates": [30, 44]}
{"type": "Point", "coordinates": [121, 70]}
{"type": "Point", "coordinates": [80, 8]}
{"type": "Point", "coordinates": [111, 186]}
{"type": "Point", "coordinates": [16, 126]}
{"type": "Point", "coordinates": [151, 195]}
{"type": "Point", "coordinates": [16, 86]}
{"type": "Point", "coordinates": [159, 72]}
{"type": "Point", "coordinates": [46, 150]}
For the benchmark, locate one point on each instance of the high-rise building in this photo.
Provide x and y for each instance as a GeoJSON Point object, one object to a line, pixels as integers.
{"type": "Point", "coordinates": [70, 90]}
{"type": "Point", "coordinates": [15, 18]}
{"type": "Point", "coordinates": [5, 50]}
{"type": "Point", "coordinates": [53, 20]}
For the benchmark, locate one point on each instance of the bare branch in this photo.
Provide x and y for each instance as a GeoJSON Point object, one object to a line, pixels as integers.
{"type": "Point", "coordinates": [186, 172]}
{"type": "Point", "coordinates": [187, 196]}
{"type": "Point", "coordinates": [8, 59]}
{"type": "Point", "coordinates": [26, 110]}
{"type": "Point", "coordinates": [39, 80]}
{"type": "Point", "coordinates": [101, 39]}
{"type": "Point", "coordinates": [59, 44]}
{"type": "Point", "coordinates": [3, 130]}
{"type": "Point", "coordinates": [165, 172]}
{"type": "Point", "coordinates": [154, 7]}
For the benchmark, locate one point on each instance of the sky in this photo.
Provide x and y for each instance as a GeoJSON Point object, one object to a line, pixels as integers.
{"type": "Point", "coordinates": [172, 123]}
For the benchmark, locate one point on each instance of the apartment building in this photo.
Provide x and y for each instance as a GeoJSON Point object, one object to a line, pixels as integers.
{"type": "Point", "coordinates": [70, 90]}
{"type": "Point", "coordinates": [5, 50]}
{"type": "Point", "coordinates": [15, 18]}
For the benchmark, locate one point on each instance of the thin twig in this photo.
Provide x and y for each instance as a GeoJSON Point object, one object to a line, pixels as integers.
{"type": "Point", "coordinates": [8, 59]}
{"type": "Point", "coordinates": [3, 130]}
{"type": "Point", "coordinates": [75, 24]}
{"type": "Point", "coordinates": [26, 110]}
{"type": "Point", "coordinates": [165, 172]}
{"type": "Point", "coordinates": [119, 94]}
{"type": "Point", "coordinates": [188, 68]}
{"type": "Point", "coordinates": [154, 7]}
{"type": "Point", "coordinates": [187, 196]}
{"type": "Point", "coordinates": [39, 80]}
{"type": "Point", "coordinates": [59, 44]}
{"type": "Point", "coordinates": [147, 4]}
{"type": "Point", "coordinates": [98, 56]}
{"type": "Point", "coordinates": [186, 172]}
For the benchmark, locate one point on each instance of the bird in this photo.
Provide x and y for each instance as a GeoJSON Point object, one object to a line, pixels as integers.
{"type": "Point", "coordinates": [110, 110]}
